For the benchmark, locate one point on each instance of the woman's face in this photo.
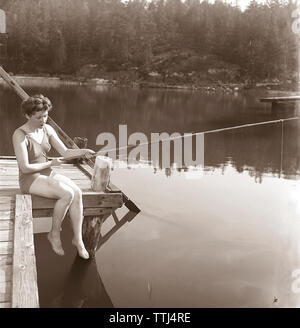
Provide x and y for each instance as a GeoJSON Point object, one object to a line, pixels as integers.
{"type": "Point", "coordinates": [38, 119]}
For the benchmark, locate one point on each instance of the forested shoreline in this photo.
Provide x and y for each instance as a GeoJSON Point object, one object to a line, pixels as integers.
{"type": "Point", "coordinates": [166, 41]}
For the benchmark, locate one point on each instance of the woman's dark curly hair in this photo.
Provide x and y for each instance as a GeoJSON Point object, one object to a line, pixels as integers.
{"type": "Point", "coordinates": [36, 103]}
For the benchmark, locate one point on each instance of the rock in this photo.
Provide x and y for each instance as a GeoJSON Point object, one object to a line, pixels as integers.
{"type": "Point", "coordinates": [212, 71]}
{"type": "Point", "coordinates": [99, 81]}
{"type": "Point", "coordinates": [154, 74]}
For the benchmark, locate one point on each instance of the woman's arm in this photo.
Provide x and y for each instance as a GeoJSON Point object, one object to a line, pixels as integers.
{"type": "Point", "coordinates": [20, 148]}
{"type": "Point", "coordinates": [61, 148]}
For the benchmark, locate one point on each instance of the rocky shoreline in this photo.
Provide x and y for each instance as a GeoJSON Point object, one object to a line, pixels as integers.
{"type": "Point", "coordinates": [207, 86]}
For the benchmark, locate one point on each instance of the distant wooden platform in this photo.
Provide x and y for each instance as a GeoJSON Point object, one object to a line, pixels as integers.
{"type": "Point", "coordinates": [18, 285]}
{"type": "Point", "coordinates": [280, 99]}
{"type": "Point", "coordinates": [282, 103]}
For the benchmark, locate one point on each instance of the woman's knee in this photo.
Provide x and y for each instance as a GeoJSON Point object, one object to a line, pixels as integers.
{"type": "Point", "coordinates": [68, 195]}
{"type": "Point", "coordinates": [77, 195]}
{"type": "Point", "coordinates": [63, 191]}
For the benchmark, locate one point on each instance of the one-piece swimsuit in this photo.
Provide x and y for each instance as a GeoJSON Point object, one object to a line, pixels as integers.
{"type": "Point", "coordinates": [37, 153]}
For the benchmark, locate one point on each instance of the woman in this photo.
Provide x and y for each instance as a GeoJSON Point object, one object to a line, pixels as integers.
{"type": "Point", "coordinates": [32, 141]}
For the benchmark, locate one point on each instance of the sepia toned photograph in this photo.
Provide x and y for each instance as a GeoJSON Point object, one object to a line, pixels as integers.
{"type": "Point", "coordinates": [149, 156]}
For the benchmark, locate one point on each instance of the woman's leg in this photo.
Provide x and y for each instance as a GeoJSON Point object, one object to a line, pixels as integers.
{"type": "Point", "coordinates": [51, 188]}
{"type": "Point", "coordinates": [76, 214]}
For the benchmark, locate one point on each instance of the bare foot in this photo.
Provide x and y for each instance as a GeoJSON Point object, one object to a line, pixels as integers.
{"type": "Point", "coordinates": [56, 244]}
{"type": "Point", "coordinates": [81, 249]}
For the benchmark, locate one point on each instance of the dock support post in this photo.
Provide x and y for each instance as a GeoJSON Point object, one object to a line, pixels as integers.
{"type": "Point", "coordinates": [91, 232]}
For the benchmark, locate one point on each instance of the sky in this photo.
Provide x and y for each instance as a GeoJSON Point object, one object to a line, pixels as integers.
{"type": "Point", "coordinates": [242, 3]}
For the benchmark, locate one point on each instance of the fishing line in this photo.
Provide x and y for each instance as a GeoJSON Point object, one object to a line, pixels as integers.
{"type": "Point", "coordinates": [191, 134]}
{"type": "Point", "coordinates": [281, 150]}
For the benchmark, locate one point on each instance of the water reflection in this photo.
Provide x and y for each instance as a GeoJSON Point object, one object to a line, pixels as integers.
{"type": "Point", "coordinates": [82, 288]}
{"type": "Point", "coordinates": [68, 281]}
{"type": "Point", "coordinates": [219, 241]}
{"type": "Point", "coordinates": [86, 111]}
{"type": "Point", "coordinates": [259, 150]}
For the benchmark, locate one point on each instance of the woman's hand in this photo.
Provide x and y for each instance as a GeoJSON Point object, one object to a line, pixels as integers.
{"type": "Point", "coordinates": [89, 153]}
{"type": "Point", "coordinates": [56, 162]}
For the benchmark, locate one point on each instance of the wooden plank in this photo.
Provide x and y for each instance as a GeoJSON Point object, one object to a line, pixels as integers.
{"type": "Point", "coordinates": [86, 169]}
{"type": "Point", "coordinates": [83, 184]}
{"type": "Point", "coordinates": [48, 212]}
{"type": "Point", "coordinates": [11, 189]}
{"type": "Point", "coordinates": [9, 164]}
{"type": "Point", "coordinates": [5, 305]}
{"type": "Point", "coordinates": [6, 235]}
{"type": "Point", "coordinates": [24, 290]}
{"type": "Point", "coordinates": [5, 259]}
{"type": "Point", "coordinates": [73, 169]}
{"type": "Point", "coordinates": [13, 164]}
{"type": "Point", "coordinates": [6, 247]}
{"type": "Point", "coordinates": [5, 158]}
{"type": "Point", "coordinates": [6, 215]}
{"type": "Point", "coordinates": [5, 291]}
{"type": "Point", "coordinates": [72, 174]}
{"type": "Point", "coordinates": [10, 171]}
{"type": "Point", "coordinates": [94, 211]}
{"type": "Point", "coordinates": [64, 167]}
{"type": "Point", "coordinates": [5, 273]}
{"type": "Point", "coordinates": [14, 181]}
{"type": "Point", "coordinates": [115, 217]}
{"type": "Point", "coordinates": [13, 84]}
{"type": "Point", "coordinates": [90, 199]}
{"type": "Point", "coordinates": [13, 168]}
{"type": "Point", "coordinates": [8, 192]}
{"type": "Point", "coordinates": [5, 199]}
{"type": "Point", "coordinates": [14, 184]}
{"type": "Point", "coordinates": [6, 224]}
{"type": "Point", "coordinates": [7, 203]}
{"type": "Point", "coordinates": [126, 218]}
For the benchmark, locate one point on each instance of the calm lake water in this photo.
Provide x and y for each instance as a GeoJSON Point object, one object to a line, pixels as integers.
{"type": "Point", "coordinates": [226, 235]}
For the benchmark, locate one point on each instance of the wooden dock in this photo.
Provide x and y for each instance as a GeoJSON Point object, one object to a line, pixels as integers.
{"type": "Point", "coordinates": [18, 275]}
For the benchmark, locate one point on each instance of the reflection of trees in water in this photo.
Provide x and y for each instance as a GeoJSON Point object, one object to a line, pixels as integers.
{"type": "Point", "coordinates": [86, 112]}
{"type": "Point", "coordinates": [258, 150]}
